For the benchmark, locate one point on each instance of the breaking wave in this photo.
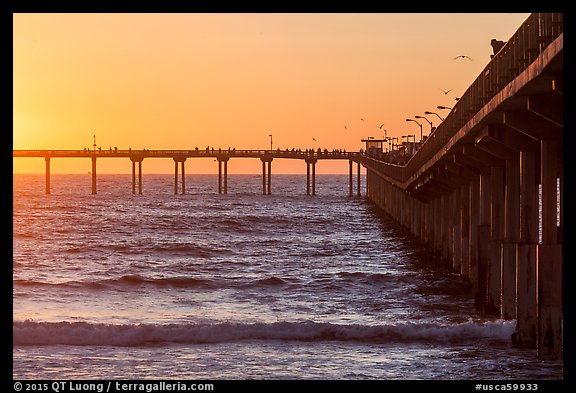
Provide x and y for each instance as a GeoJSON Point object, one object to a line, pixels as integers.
{"type": "Point", "coordinates": [83, 333]}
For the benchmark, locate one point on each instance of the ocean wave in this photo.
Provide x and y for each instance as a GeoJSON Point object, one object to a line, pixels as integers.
{"type": "Point", "coordinates": [135, 280]}
{"type": "Point", "coordinates": [183, 249]}
{"type": "Point", "coordinates": [84, 333]}
{"type": "Point", "coordinates": [371, 278]}
{"type": "Point", "coordinates": [124, 281]}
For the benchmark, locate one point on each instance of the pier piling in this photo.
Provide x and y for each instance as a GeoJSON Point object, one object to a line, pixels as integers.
{"type": "Point", "coordinates": [311, 175]}
{"type": "Point", "coordinates": [47, 159]}
{"type": "Point", "coordinates": [266, 178]}
{"type": "Point", "coordinates": [136, 159]}
{"type": "Point", "coordinates": [93, 175]}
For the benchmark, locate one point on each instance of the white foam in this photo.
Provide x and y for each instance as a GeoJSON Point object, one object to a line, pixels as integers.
{"type": "Point", "coordinates": [82, 333]}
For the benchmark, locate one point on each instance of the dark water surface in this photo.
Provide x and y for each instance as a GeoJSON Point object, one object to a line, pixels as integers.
{"type": "Point", "coordinates": [237, 286]}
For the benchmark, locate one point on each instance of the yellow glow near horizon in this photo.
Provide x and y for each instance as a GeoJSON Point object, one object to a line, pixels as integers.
{"type": "Point", "coordinates": [180, 81]}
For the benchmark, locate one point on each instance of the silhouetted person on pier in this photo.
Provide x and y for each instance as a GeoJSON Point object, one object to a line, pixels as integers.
{"type": "Point", "coordinates": [496, 46]}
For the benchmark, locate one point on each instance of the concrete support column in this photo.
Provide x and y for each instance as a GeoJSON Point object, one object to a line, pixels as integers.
{"type": "Point", "coordinates": [465, 231]}
{"type": "Point", "coordinates": [407, 211]}
{"type": "Point", "coordinates": [423, 228]}
{"type": "Point", "coordinates": [263, 178]}
{"type": "Point", "coordinates": [350, 178]}
{"type": "Point", "coordinates": [483, 240]}
{"type": "Point", "coordinates": [223, 161]}
{"type": "Point", "coordinates": [308, 178]}
{"type": "Point", "coordinates": [358, 179]}
{"type": "Point", "coordinates": [219, 177]}
{"type": "Point", "coordinates": [411, 215]}
{"type": "Point", "coordinates": [93, 175]}
{"type": "Point", "coordinates": [417, 220]}
{"type": "Point", "coordinates": [473, 233]}
{"type": "Point", "coordinates": [511, 238]}
{"type": "Point", "coordinates": [314, 177]}
{"type": "Point", "coordinates": [445, 215]}
{"type": "Point", "coordinates": [183, 179]}
{"type": "Point", "coordinates": [140, 177]}
{"type": "Point", "coordinates": [266, 185]}
{"type": "Point", "coordinates": [181, 160]}
{"type": "Point", "coordinates": [270, 177]}
{"type": "Point", "coordinates": [438, 227]}
{"type": "Point", "coordinates": [311, 162]}
{"type": "Point", "coordinates": [175, 177]}
{"type": "Point", "coordinates": [456, 231]}
{"type": "Point", "coordinates": [526, 250]}
{"type": "Point", "coordinates": [450, 228]}
{"type": "Point", "coordinates": [225, 176]}
{"type": "Point", "coordinates": [133, 176]}
{"type": "Point", "coordinates": [494, 301]}
{"type": "Point", "coordinates": [549, 261]}
{"type": "Point", "coordinates": [47, 159]}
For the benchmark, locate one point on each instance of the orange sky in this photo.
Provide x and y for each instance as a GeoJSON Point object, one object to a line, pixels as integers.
{"type": "Point", "coordinates": [180, 81]}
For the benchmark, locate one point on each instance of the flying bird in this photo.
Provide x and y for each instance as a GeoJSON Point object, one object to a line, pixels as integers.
{"type": "Point", "coordinates": [463, 57]}
{"type": "Point", "coordinates": [345, 127]}
{"type": "Point", "coordinates": [362, 119]}
{"type": "Point", "coordinates": [314, 139]}
{"type": "Point", "coordinates": [381, 125]}
{"type": "Point", "coordinates": [446, 91]}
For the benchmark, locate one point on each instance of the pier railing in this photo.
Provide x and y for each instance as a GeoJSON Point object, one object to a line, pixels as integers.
{"type": "Point", "coordinates": [147, 153]}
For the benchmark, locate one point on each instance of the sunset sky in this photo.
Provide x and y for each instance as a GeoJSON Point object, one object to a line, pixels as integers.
{"type": "Point", "coordinates": [180, 81]}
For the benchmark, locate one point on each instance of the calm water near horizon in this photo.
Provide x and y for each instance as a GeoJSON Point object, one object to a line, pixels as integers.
{"type": "Point", "coordinates": [238, 286]}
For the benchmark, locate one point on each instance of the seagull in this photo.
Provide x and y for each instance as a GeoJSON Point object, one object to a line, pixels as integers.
{"type": "Point", "coordinates": [463, 57]}
{"type": "Point", "coordinates": [362, 119]}
{"type": "Point", "coordinates": [314, 139]}
{"type": "Point", "coordinates": [345, 127]}
{"type": "Point", "coordinates": [446, 91]}
{"type": "Point", "coordinates": [381, 125]}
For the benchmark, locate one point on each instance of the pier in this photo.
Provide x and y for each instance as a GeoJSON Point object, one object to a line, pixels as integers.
{"type": "Point", "coordinates": [310, 157]}
{"type": "Point", "coordinates": [473, 190]}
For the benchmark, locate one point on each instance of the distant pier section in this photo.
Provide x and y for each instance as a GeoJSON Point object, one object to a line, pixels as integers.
{"type": "Point", "coordinates": [310, 157]}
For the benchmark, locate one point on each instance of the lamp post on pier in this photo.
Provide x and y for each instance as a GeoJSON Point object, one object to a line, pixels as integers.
{"type": "Point", "coordinates": [429, 122]}
{"type": "Point", "coordinates": [434, 113]}
{"type": "Point", "coordinates": [418, 124]}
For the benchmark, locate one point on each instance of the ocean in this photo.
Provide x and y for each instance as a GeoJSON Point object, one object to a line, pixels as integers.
{"type": "Point", "coordinates": [238, 286]}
